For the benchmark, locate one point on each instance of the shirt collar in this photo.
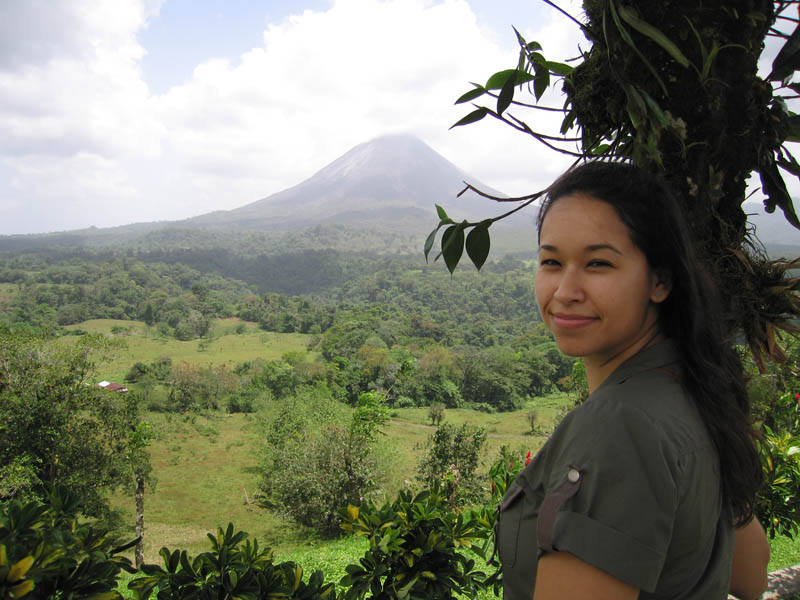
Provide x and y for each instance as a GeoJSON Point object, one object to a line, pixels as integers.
{"type": "Point", "coordinates": [657, 356]}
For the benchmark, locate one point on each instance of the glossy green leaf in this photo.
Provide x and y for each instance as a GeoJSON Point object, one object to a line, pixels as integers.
{"type": "Point", "coordinates": [472, 94]}
{"type": "Point", "coordinates": [478, 244]}
{"type": "Point", "coordinates": [441, 212]}
{"type": "Point", "coordinates": [655, 34]}
{"type": "Point", "coordinates": [599, 150]}
{"type": "Point", "coordinates": [499, 79]}
{"type": "Point", "coordinates": [453, 246]}
{"type": "Point", "coordinates": [473, 117]}
{"type": "Point", "coordinates": [559, 68]}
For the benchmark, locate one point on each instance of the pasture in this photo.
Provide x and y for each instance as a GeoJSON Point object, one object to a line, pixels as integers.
{"type": "Point", "coordinates": [140, 343]}
{"type": "Point", "coordinates": [206, 465]}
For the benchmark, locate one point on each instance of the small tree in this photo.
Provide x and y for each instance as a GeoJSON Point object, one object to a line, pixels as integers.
{"type": "Point", "coordinates": [451, 461]}
{"type": "Point", "coordinates": [436, 414]}
{"type": "Point", "coordinates": [532, 416]}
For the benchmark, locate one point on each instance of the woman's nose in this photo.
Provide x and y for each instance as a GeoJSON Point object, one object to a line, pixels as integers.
{"type": "Point", "coordinates": [570, 287]}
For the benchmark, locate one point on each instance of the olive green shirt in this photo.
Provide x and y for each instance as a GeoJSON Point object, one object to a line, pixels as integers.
{"type": "Point", "coordinates": [629, 482]}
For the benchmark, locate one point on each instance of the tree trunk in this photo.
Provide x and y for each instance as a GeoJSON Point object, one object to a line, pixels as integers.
{"type": "Point", "coordinates": [139, 552]}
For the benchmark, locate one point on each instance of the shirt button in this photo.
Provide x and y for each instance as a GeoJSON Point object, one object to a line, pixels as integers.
{"type": "Point", "coordinates": [573, 475]}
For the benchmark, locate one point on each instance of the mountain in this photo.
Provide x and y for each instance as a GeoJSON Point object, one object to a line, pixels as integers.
{"type": "Point", "coordinates": [378, 197]}
{"type": "Point", "coordinates": [393, 179]}
{"type": "Point", "coordinates": [771, 229]}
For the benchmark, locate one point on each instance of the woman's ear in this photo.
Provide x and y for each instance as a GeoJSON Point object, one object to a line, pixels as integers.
{"type": "Point", "coordinates": [662, 287]}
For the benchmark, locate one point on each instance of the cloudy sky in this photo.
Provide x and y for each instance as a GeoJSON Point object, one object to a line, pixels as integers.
{"type": "Point", "coordinates": [121, 111]}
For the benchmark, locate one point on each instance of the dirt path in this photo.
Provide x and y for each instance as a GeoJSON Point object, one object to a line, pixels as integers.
{"type": "Point", "coordinates": [489, 435]}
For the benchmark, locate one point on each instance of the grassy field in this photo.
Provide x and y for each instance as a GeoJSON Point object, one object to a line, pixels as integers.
{"type": "Point", "coordinates": [144, 344]}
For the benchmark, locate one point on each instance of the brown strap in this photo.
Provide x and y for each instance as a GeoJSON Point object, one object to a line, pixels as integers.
{"type": "Point", "coordinates": [552, 504]}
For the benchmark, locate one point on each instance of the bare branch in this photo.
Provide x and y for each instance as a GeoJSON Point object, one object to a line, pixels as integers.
{"type": "Point", "coordinates": [526, 105]}
{"type": "Point", "coordinates": [776, 33]}
{"type": "Point", "coordinates": [569, 16]}
{"type": "Point", "coordinates": [496, 198]}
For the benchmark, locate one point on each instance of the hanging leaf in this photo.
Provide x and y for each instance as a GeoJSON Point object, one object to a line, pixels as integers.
{"type": "Point", "coordinates": [655, 109]}
{"type": "Point", "coordinates": [637, 109]}
{"type": "Point", "coordinates": [542, 81]}
{"type": "Point", "coordinates": [472, 94]}
{"type": "Point", "coordinates": [793, 128]}
{"type": "Point", "coordinates": [777, 194]}
{"type": "Point", "coordinates": [478, 243]}
{"type": "Point", "coordinates": [708, 62]}
{"type": "Point", "coordinates": [453, 245]}
{"type": "Point", "coordinates": [429, 242]}
{"type": "Point", "coordinates": [626, 37]}
{"type": "Point", "coordinates": [506, 95]}
{"type": "Point", "coordinates": [655, 34]}
{"type": "Point", "coordinates": [473, 117]}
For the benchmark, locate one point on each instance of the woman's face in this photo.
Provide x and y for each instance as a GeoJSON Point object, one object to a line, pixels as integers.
{"type": "Point", "coordinates": [595, 289]}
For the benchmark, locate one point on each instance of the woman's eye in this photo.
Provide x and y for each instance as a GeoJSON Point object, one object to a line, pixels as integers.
{"type": "Point", "coordinates": [548, 262]}
{"type": "Point", "coordinates": [599, 263]}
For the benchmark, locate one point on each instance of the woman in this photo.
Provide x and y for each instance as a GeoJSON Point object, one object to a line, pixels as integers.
{"type": "Point", "coordinates": [637, 491]}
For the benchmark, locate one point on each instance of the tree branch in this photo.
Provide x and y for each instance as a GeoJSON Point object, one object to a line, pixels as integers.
{"type": "Point", "coordinates": [569, 16]}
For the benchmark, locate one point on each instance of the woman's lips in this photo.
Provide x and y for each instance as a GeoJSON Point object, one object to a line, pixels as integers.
{"type": "Point", "coordinates": [566, 321]}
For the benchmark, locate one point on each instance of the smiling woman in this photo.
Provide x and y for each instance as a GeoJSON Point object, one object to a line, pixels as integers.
{"type": "Point", "coordinates": [586, 257]}
{"type": "Point", "coordinates": [647, 489]}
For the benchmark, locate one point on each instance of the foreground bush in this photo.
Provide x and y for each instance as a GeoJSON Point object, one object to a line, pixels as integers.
{"type": "Point", "coordinates": [231, 569]}
{"type": "Point", "coordinates": [417, 549]}
{"type": "Point", "coordinates": [46, 551]}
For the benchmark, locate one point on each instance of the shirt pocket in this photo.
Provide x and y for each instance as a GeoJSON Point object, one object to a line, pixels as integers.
{"type": "Point", "coordinates": [515, 532]}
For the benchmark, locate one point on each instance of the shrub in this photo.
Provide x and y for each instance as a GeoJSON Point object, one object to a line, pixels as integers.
{"type": "Point", "coordinates": [451, 460]}
{"type": "Point", "coordinates": [311, 471]}
{"type": "Point", "coordinates": [417, 549]}
{"type": "Point", "coordinates": [778, 501]}
{"type": "Point", "coordinates": [230, 570]}
{"type": "Point", "coordinates": [240, 404]}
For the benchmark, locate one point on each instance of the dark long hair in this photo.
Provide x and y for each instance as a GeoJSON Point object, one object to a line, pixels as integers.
{"type": "Point", "coordinates": [712, 372]}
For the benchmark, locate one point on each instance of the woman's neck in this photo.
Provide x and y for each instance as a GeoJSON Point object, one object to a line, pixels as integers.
{"type": "Point", "coordinates": [598, 368]}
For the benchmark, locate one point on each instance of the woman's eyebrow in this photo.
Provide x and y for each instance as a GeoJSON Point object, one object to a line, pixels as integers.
{"type": "Point", "coordinates": [593, 247]}
{"type": "Point", "coordinates": [590, 248]}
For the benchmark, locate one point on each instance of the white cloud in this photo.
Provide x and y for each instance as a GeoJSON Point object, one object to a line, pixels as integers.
{"type": "Point", "coordinates": [83, 141]}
